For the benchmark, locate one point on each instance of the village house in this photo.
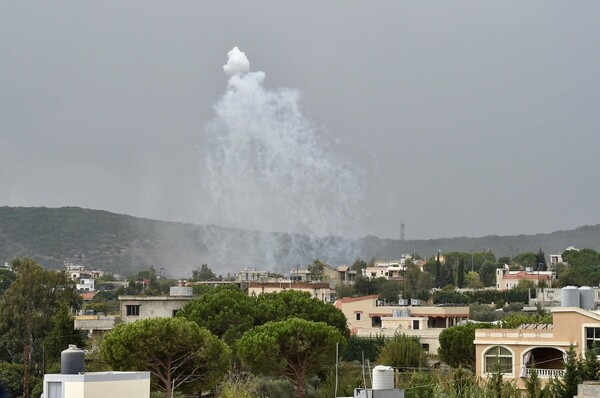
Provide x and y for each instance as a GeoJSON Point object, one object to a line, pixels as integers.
{"type": "Point", "coordinates": [506, 279]}
{"type": "Point", "coordinates": [367, 316]}
{"type": "Point", "coordinates": [546, 345]}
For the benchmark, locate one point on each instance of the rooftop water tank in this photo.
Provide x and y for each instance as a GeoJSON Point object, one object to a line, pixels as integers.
{"type": "Point", "coordinates": [72, 361]}
{"type": "Point", "coordinates": [586, 298]}
{"type": "Point", "coordinates": [383, 378]}
{"type": "Point", "coordinates": [569, 296]}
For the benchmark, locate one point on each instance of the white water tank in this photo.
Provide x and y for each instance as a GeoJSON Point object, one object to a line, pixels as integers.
{"type": "Point", "coordinates": [569, 296]}
{"type": "Point", "coordinates": [586, 298]}
{"type": "Point", "coordinates": [383, 378]}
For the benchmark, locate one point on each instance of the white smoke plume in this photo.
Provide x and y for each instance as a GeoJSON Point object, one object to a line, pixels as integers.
{"type": "Point", "coordinates": [265, 167]}
{"type": "Point", "coordinates": [237, 62]}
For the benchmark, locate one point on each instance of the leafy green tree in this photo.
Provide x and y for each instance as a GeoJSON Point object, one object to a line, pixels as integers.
{"type": "Point", "coordinates": [504, 260]}
{"type": "Point", "coordinates": [226, 312]}
{"type": "Point", "coordinates": [449, 296]}
{"type": "Point", "coordinates": [11, 375]}
{"type": "Point", "coordinates": [365, 286]}
{"type": "Point", "coordinates": [62, 334]}
{"type": "Point", "coordinates": [239, 385]}
{"type": "Point", "coordinates": [294, 349]}
{"type": "Point", "coordinates": [488, 273]}
{"type": "Point", "coordinates": [203, 273]}
{"type": "Point", "coordinates": [483, 313]}
{"type": "Point", "coordinates": [473, 281]}
{"type": "Point", "coordinates": [527, 259]}
{"type": "Point", "coordinates": [357, 347]}
{"type": "Point", "coordinates": [404, 352]}
{"type": "Point", "coordinates": [388, 290]}
{"type": "Point", "coordinates": [296, 304]}
{"type": "Point", "coordinates": [456, 345]}
{"type": "Point", "coordinates": [358, 265]}
{"type": "Point", "coordinates": [6, 278]}
{"type": "Point", "coordinates": [540, 261]}
{"type": "Point", "coordinates": [316, 269]}
{"type": "Point", "coordinates": [28, 306]}
{"type": "Point", "coordinates": [178, 353]}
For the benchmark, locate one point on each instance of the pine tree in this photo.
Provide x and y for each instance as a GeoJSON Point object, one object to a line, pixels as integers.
{"type": "Point", "coordinates": [533, 384]}
{"type": "Point", "coordinates": [590, 365]}
{"type": "Point", "coordinates": [572, 376]}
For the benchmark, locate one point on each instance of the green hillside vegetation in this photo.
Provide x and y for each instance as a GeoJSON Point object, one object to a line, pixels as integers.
{"type": "Point", "coordinates": [125, 244]}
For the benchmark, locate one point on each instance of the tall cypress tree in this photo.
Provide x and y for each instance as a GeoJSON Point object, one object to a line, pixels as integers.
{"type": "Point", "coordinates": [590, 365]}
{"type": "Point", "coordinates": [572, 376]}
{"type": "Point", "coordinates": [460, 274]}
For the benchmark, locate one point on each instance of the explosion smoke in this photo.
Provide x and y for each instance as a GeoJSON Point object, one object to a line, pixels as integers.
{"type": "Point", "coordinates": [265, 167]}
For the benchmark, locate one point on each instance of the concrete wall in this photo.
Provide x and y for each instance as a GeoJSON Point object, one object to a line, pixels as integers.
{"type": "Point", "coordinates": [102, 385]}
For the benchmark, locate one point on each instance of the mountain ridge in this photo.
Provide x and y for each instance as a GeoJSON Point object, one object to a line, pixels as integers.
{"type": "Point", "coordinates": [123, 244]}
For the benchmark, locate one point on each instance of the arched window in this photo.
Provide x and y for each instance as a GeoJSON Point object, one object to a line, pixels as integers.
{"type": "Point", "coordinates": [498, 359]}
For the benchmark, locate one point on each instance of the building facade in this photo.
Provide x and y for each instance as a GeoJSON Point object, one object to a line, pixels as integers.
{"type": "Point", "coordinates": [367, 316]}
{"type": "Point", "coordinates": [517, 350]}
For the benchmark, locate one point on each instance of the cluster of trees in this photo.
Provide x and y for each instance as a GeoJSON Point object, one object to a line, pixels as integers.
{"type": "Point", "coordinates": [35, 324]}
{"type": "Point", "coordinates": [287, 334]}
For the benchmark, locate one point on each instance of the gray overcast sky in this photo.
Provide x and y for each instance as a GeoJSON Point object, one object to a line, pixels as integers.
{"type": "Point", "coordinates": [466, 118]}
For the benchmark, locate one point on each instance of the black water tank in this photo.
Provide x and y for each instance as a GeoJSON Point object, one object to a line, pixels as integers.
{"type": "Point", "coordinates": [72, 361]}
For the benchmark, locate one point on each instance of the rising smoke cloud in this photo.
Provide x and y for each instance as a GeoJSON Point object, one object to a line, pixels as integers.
{"type": "Point", "coordinates": [265, 167]}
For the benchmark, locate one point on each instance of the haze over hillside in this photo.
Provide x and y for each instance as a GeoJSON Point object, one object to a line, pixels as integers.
{"type": "Point", "coordinates": [121, 243]}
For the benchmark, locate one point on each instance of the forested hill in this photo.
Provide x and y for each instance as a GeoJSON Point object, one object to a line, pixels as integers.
{"type": "Point", "coordinates": [121, 243]}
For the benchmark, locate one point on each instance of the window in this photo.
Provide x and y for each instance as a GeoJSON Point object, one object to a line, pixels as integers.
{"type": "Point", "coordinates": [54, 389]}
{"type": "Point", "coordinates": [358, 316]}
{"type": "Point", "coordinates": [415, 324]}
{"type": "Point", "coordinates": [592, 335]}
{"type": "Point", "coordinates": [132, 310]}
{"type": "Point", "coordinates": [498, 358]}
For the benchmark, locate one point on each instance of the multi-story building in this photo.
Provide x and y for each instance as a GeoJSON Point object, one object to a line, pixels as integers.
{"type": "Point", "coordinates": [368, 316]}
{"type": "Point", "coordinates": [134, 308]}
{"type": "Point", "coordinates": [516, 351]}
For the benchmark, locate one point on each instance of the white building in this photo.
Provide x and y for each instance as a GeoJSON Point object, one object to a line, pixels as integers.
{"type": "Point", "coordinates": [86, 285]}
{"type": "Point", "coordinates": [97, 384]}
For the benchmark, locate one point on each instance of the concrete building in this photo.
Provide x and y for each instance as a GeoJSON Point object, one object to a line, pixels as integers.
{"type": "Point", "coordinates": [97, 384]}
{"type": "Point", "coordinates": [515, 350]}
{"type": "Point", "coordinates": [85, 285]}
{"type": "Point", "coordinates": [319, 291]}
{"type": "Point", "coordinates": [134, 308]}
{"type": "Point", "coordinates": [367, 316]}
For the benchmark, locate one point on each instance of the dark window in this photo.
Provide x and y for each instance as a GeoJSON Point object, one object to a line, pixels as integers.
{"type": "Point", "coordinates": [415, 324]}
{"type": "Point", "coordinates": [498, 358]}
{"type": "Point", "coordinates": [376, 322]}
{"type": "Point", "coordinates": [592, 335]}
{"type": "Point", "coordinates": [358, 316]}
{"type": "Point", "coordinates": [133, 310]}
{"type": "Point", "coordinates": [175, 313]}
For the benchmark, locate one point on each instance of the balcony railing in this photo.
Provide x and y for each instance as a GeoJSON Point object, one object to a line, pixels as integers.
{"type": "Point", "coordinates": [548, 372]}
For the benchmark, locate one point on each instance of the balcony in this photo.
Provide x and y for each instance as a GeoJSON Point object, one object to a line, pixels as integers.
{"type": "Point", "coordinates": [548, 372]}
